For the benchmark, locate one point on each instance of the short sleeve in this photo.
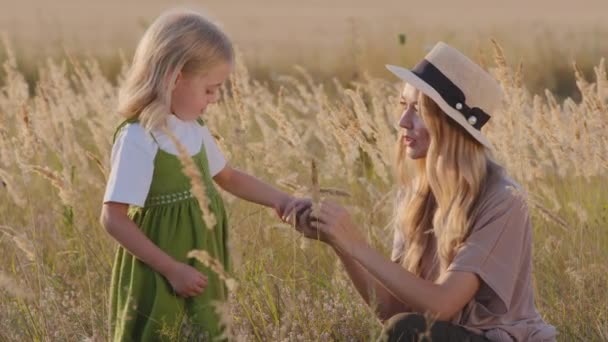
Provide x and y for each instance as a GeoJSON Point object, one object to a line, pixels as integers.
{"type": "Point", "coordinates": [494, 250]}
{"type": "Point", "coordinates": [214, 156]}
{"type": "Point", "coordinates": [132, 167]}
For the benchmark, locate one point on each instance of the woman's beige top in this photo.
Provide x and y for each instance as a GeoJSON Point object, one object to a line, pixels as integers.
{"type": "Point", "coordinates": [499, 252]}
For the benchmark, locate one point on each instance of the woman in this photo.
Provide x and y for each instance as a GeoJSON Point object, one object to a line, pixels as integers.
{"type": "Point", "coordinates": [461, 262]}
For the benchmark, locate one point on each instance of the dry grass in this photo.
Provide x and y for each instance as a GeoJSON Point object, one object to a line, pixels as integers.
{"type": "Point", "coordinates": [54, 149]}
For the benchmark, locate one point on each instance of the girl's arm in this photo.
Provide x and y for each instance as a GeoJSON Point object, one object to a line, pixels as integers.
{"type": "Point", "coordinates": [186, 280]}
{"type": "Point", "coordinates": [249, 188]}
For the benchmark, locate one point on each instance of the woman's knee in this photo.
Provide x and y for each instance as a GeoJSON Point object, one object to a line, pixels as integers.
{"type": "Point", "coordinates": [404, 327]}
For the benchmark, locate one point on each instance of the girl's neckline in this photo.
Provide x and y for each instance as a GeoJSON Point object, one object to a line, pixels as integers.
{"type": "Point", "coordinates": [173, 122]}
{"type": "Point", "coordinates": [172, 118]}
{"type": "Point", "coordinates": [197, 154]}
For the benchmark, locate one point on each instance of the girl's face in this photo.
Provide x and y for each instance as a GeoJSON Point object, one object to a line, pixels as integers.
{"type": "Point", "coordinates": [192, 93]}
{"type": "Point", "coordinates": [414, 136]}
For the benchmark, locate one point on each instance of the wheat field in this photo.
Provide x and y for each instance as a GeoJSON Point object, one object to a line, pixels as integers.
{"type": "Point", "coordinates": [55, 140]}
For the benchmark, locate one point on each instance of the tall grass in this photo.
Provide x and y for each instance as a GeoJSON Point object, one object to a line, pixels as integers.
{"type": "Point", "coordinates": [347, 53]}
{"type": "Point", "coordinates": [55, 140]}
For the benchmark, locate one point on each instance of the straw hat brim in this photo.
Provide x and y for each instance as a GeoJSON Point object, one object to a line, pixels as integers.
{"type": "Point", "coordinates": [411, 78]}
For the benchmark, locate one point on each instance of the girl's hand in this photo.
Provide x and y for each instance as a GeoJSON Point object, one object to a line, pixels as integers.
{"type": "Point", "coordinates": [186, 280]}
{"type": "Point", "coordinates": [335, 226]}
{"type": "Point", "coordinates": [291, 208]}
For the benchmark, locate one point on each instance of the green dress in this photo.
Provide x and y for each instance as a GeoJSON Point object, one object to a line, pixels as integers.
{"type": "Point", "coordinates": [143, 305]}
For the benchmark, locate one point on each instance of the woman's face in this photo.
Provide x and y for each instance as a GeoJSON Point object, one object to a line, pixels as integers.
{"type": "Point", "coordinates": [414, 136]}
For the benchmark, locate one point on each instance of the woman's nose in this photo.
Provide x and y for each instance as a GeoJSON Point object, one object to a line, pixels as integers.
{"type": "Point", "coordinates": [406, 119]}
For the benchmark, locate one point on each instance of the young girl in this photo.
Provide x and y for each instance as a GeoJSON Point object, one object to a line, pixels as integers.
{"type": "Point", "coordinates": [463, 239]}
{"type": "Point", "coordinates": [156, 291]}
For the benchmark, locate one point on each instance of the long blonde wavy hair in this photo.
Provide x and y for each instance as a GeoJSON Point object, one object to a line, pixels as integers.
{"type": "Point", "coordinates": [440, 190]}
{"type": "Point", "coordinates": [177, 41]}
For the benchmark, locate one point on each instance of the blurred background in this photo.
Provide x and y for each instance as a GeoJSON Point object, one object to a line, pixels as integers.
{"type": "Point", "coordinates": [337, 38]}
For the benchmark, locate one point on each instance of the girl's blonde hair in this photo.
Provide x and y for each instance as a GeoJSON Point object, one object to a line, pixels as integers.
{"type": "Point", "coordinates": [178, 41]}
{"type": "Point", "coordinates": [441, 193]}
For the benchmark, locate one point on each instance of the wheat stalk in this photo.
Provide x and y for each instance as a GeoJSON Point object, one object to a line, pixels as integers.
{"type": "Point", "coordinates": [193, 173]}
{"type": "Point", "coordinates": [215, 265]}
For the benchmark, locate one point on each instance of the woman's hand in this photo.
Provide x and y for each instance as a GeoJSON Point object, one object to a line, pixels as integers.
{"type": "Point", "coordinates": [186, 280]}
{"type": "Point", "coordinates": [303, 225]}
{"type": "Point", "coordinates": [332, 224]}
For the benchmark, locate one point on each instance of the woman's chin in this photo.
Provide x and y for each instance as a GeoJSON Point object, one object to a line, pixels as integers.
{"type": "Point", "coordinates": [414, 154]}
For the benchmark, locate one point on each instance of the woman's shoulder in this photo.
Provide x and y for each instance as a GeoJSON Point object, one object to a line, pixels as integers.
{"type": "Point", "coordinates": [500, 184]}
{"type": "Point", "coordinates": [502, 203]}
{"type": "Point", "coordinates": [501, 192]}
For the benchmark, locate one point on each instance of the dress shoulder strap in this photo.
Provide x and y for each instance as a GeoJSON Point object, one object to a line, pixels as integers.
{"type": "Point", "coordinates": [126, 122]}
{"type": "Point", "coordinates": [122, 124]}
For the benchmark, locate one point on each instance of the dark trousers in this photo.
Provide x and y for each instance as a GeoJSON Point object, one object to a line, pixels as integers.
{"type": "Point", "coordinates": [414, 327]}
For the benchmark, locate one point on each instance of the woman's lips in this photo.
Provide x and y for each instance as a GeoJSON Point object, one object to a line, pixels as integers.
{"type": "Point", "coordinates": [408, 141]}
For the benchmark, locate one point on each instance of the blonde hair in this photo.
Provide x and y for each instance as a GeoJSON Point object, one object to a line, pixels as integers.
{"type": "Point", "coordinates": [177, 41]}
{"type": "Point", "coordinates": [441, 192]}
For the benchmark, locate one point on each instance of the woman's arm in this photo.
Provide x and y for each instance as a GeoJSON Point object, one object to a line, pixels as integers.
{"type": "Point", "coordinates": [443, 299]}
{"type": "Point", "coordinates": [186, 280]}
{"type": "Point", "coordinates": [372, 292]}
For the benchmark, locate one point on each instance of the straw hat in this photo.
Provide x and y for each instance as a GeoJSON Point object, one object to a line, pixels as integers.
{"type": "Point", "coordinates": [461, 88]}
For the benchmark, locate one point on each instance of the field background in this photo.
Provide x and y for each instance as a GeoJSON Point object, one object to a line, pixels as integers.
{"type": "Point", "coordinates": [337, 38]}
{"type": "Point", "coordinates": [310, 79]}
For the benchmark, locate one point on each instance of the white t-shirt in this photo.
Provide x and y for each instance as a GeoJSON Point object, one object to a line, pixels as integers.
{"type": "Point", "coordinates": [132, 160]}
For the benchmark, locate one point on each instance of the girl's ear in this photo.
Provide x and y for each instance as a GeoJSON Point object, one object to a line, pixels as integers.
{"type": "Point", "coordinates": [172, 80]}
{"type": "Point", "coordinates": [178, 79]}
